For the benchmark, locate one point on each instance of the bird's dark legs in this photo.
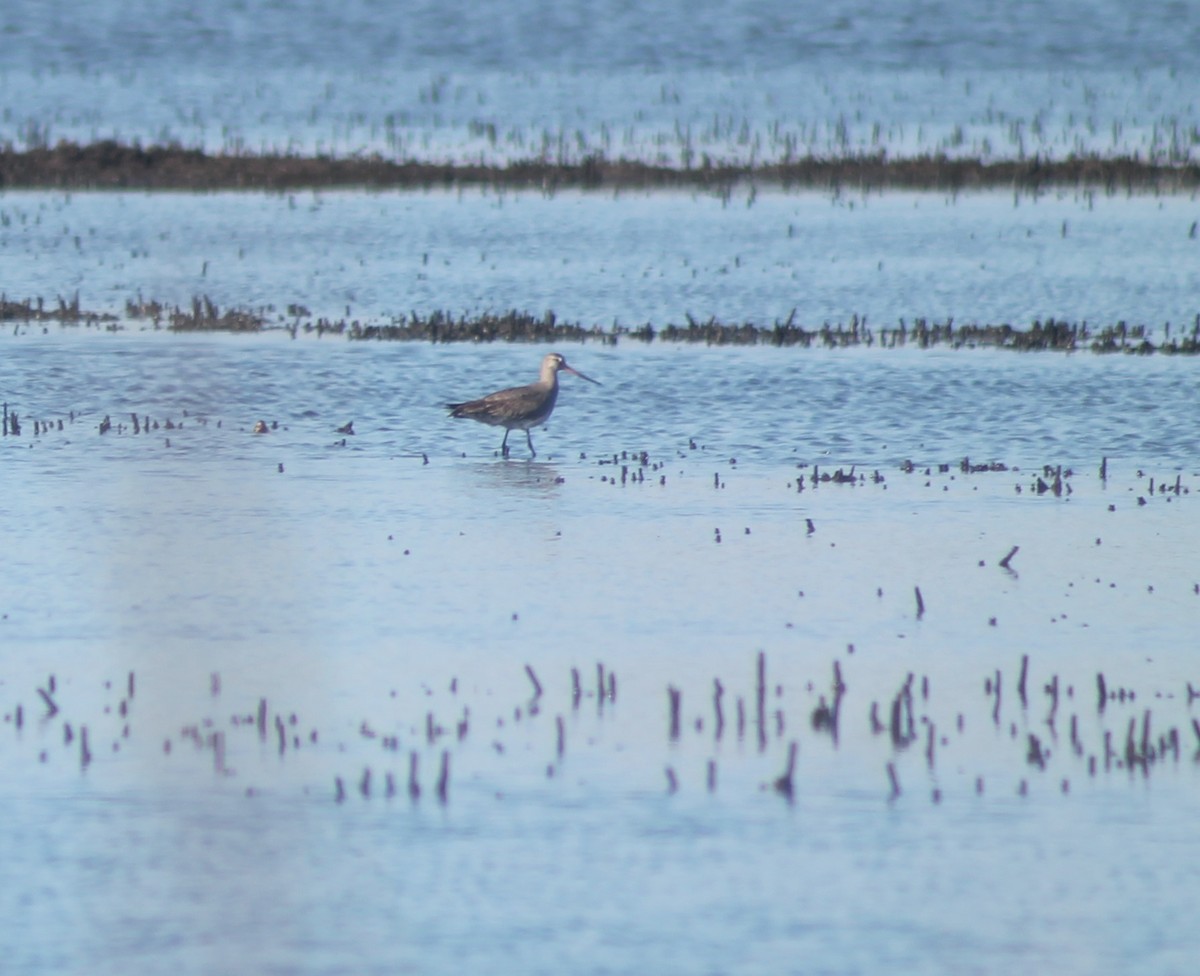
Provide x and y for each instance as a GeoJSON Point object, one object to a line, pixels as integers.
{"type": "Point", "coordinates": [504, 444]}
{"type": "Point", "coordinates": [529, 440]}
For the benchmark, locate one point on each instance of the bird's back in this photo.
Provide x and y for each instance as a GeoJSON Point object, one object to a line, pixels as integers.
{"type": "Point", "coordinates": [520, 407]}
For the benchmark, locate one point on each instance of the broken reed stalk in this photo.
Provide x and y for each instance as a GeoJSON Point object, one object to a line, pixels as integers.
{"type": "Point", "coordinates": [537, 685]}
{"type": "Point", "coordinates": [673, 695]}
{"type": "Point", "coordinates": [414, 787]}
{"type": "Point", "coordinates": [760, 698]}
{"type": "Point", "coordinates": [1035, 756]}
{"type": "Point", "coordinates": [894, 780]}
{"type": "Point", "coordinates": [51, 708]}
{"type": "Point", "coordinates": [920, 602]}
{"type": "Point", "coordinates": [443, 782]}
{"type": "Point", "coordinates": [1007, 559]}
{"type": "Point", "coordinates": [785, 783]}
{"type": "Point", "coordinates": [1021, 680]}
{"type": "Point", "coordinates": [894, 726]}
{"type": "Point", "coordinates": [835, 711]}
{"type": "Point", "coordinates": [718, 692]}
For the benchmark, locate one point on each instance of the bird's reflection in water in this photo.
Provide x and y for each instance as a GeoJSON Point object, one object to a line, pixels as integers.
{"type": "Point", "coordinates": [538, 477]}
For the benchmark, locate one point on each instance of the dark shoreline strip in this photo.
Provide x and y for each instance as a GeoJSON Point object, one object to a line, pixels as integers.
{"type": "Point", "coordinates": [109, 165]}
{"type": "Point", "coordinates": [523, 327]}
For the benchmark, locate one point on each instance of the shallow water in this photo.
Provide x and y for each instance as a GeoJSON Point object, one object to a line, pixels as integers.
{"type": "Point", "coordinates": [675, 83]}
{"type": "Point", "coordinates": [595, 259]}
{"type": "Point", "coordinates": [245, 625]}
{"type": "Point", "coordinates": [365, 586]}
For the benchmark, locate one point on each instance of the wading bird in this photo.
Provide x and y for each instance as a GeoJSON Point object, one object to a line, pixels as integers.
{"type": "Point", "coordinates": [521, 407]}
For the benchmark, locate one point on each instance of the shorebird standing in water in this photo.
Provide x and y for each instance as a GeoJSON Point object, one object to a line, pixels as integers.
{"type": "Point", "coordinates": [522, 407]}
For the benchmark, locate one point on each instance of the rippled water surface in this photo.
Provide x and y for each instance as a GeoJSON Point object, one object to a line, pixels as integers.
{"type": "Point", "coordinates": [372, 698]}
{"type": "Point", "coordinates": [672, 83]}
{"type": "Point", "coordinates": [595, 259]}
{"type": "Point", "coordinates": [379, 595]}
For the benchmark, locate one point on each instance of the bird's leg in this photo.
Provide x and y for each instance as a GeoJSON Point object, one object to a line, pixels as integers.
{"type": "Point", "coordinates": [504, 444]}
{"type": "Point", "coordinates": [529, 440]}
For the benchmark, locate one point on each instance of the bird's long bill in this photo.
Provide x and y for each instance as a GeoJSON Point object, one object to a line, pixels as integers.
{"type": "Point", "coordinates": [575, 372]}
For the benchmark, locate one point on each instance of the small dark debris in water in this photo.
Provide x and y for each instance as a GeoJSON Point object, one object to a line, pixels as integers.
{"type": "Point", "coordinates": [347, 428]}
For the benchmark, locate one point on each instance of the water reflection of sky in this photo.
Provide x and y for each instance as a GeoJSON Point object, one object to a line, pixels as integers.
{"type": "Point", "coordinates": [358, 595]}
{"type": "Point", "coordinates": [594, 259]}
{"type": "Point", "coordinates": [736, 82]}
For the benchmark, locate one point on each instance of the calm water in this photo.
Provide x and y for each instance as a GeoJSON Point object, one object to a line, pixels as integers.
{"type": "Point", "coordinates": [260, 632]}
{"type": "Point", "coordinates": [598, 260]}
{"type": "Point", "coordinates": [363, 593]}
{"type": "Point", "coordinates": [670, 83]}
